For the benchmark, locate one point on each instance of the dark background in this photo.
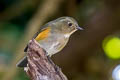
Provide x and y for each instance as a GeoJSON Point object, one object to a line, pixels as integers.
{"type": "Point", "coordinates": [83, 58]}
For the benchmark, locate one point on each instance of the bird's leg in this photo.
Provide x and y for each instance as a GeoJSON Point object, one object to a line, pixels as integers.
{"type": "Point", "coordinates": [49, 59]}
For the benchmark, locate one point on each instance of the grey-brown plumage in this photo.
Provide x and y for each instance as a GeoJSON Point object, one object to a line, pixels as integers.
{"type": "Point", "coordinates": [57, 36]}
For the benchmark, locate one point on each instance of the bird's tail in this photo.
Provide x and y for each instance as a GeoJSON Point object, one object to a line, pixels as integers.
{"type": "Point", "coordinates": [22, 63]}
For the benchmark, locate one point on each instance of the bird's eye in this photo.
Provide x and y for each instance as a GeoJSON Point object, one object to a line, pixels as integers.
{"type": "Point", "coordinates": [70, 24]}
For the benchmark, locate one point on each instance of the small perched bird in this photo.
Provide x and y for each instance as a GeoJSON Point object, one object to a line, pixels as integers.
{"type": "Point", "coordinates": [53, 36]}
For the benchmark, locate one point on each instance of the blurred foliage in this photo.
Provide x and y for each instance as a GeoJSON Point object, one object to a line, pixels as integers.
{"type": "Point", "coordinates": [84, 57]}
{"type": "Point", "coordinates": [21, 75]}
{"type": "Point", "coordinates": [9, 37]}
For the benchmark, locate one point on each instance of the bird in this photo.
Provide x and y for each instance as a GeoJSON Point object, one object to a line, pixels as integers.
{"type": "Point", "coordinates": [53, 36]}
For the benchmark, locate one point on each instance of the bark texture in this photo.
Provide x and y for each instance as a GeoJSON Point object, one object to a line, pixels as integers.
{"type": "Point", "coordinates": [40, 66]}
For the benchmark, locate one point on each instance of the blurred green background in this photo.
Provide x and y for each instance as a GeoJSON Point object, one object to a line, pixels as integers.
{"type": "Point", "coordinates": [92, 54]}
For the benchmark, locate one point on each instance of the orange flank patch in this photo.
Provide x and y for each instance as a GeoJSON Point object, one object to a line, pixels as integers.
{"type": "Point", "coordinates": [43, 34]}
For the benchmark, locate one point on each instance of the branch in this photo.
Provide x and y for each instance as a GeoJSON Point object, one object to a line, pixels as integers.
{"type": "Point", "coordinates": [40, 66]}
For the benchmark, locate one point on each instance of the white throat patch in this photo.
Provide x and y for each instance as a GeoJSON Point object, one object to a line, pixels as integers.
{"type": "Point", "coordinates": [67, 35]}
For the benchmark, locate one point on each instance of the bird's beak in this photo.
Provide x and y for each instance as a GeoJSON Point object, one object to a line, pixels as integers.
{"type": "Point", "coordinates": [79, 28]}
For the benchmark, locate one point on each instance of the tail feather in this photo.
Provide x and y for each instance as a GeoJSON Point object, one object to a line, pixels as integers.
{"type": "Point", "coordinates": [22, 63]}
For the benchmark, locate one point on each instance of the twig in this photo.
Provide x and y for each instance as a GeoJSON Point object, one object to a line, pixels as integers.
{"type": "Point", "coordinates": [40, 66]}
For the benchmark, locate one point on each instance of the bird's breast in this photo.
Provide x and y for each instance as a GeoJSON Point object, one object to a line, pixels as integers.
{"type": "Point", "coordinates": [54, 43]}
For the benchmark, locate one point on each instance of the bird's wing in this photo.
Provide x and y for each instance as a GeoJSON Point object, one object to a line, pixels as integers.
{"type": "Point", "coordinates": [40, 35]}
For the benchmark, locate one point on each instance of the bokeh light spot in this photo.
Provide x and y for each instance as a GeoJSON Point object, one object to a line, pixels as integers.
{"type": "Point", "coordinates": [111, 46]}
{"type": "Point", "coordinates": [116, 73]}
